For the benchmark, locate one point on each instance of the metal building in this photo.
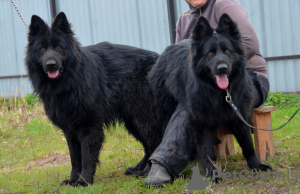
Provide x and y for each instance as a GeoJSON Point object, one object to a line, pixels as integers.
{"type": "Point", "coordinates": [146, 24]}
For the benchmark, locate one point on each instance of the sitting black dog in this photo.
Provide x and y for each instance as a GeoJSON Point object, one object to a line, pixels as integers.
{"type": "Point", "coordinates": [189, 83]}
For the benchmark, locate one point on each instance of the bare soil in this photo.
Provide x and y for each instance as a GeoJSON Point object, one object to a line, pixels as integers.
{"type": "Point", "coordinates": [51, 160]}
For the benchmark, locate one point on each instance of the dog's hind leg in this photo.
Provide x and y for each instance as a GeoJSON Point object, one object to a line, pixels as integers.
{"type": "Point", "coordinates": [243, 135]}
{"type": "Point", "coordinates": [142, 164]}
{"type": "Point", "coordinates": [140, 169]}
{"type": "Point", "coordinates": [150, 139]}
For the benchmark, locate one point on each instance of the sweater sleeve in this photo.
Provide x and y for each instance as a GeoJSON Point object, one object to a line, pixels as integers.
{"type": "Point", "coordinates": [240, 16]}
{"type": "Point", "coordinates": [178, 33]}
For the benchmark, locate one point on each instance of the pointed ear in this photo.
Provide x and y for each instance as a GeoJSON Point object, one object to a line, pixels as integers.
{"type": "Point", "coordinates": [227, 26]}
{"type": "Point", "coordinates": [201, 29]}
{"type": "Point", "coordinates": [61, 23]}
{"type": "Point", "coordinates": [37, 25]}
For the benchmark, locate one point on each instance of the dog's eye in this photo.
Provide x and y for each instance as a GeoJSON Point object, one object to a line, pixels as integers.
{"type": "Point", "coordinates": [227, 51]}
{"type": "Point", "coordinates": [58, 47]}
{"type": "Point", "coordinates": [210, 53]}
{"type": "Point", "coordinates": [42, 49]}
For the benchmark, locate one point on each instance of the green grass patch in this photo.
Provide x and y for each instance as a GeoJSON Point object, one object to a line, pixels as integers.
{"type": "Point", "coordinates": [34, 157]}
{"type": "Point", "coordinates": [14, 103]}
{"type": "Point", "coordinates": [282, 100]}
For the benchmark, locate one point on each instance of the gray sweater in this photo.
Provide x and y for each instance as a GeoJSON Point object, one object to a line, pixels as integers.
{"type": "Point", "coordinates": [212, 11]}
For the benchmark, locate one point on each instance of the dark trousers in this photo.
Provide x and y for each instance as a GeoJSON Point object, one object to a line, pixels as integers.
{"type": "Point", "coordinates": [178, 144]}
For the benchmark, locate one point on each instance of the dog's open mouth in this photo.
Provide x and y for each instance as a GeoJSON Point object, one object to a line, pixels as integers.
{"type": "Point", "coordinates": [54, 74]}
{"type": "Point", "coordinates": [222, 81]}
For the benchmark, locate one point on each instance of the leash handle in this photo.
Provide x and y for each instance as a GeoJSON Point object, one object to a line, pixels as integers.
{"type": "Point", "coordinates": [236, 110]}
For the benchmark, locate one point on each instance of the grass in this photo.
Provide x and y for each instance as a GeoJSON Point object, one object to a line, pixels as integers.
{"type": "Point", "coordinates": [34, 156]}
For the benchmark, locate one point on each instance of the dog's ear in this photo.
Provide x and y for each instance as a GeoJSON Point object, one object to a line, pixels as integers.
{"type": "Point", "coordinates": [61, 23]}
{"type": "Point", "coordinates": [37, 25]}
{"type": "Point", "coordinates": [201, 29]}
{"type": "Point", "coordinates": [227, 26]}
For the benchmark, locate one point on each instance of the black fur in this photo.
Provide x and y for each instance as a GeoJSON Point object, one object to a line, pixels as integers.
{"type": "Point", "coordinates": [85, 88]}
{"type": "Point", "coordinates": [186, 74]}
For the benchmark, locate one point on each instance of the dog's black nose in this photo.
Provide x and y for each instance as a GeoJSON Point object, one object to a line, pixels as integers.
{"type": "Point", "coordinates": [222, 67]}
{"type": "Point", "coordinates": [50, 63]}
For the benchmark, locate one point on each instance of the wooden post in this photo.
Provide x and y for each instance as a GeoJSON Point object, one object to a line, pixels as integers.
{"type": "Point", "coordinates": [226, 147]}
{"type": "Point", "coordinates": [264, 145]}
{"type": "Point", "coordinates": [263, 140]}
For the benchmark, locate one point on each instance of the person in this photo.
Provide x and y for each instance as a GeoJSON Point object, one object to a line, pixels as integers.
{"type": "Point", "coordinates": [176, 149]}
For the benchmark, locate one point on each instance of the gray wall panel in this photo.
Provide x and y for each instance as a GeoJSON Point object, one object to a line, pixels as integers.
{"type": "Point", "coordinates": [277, 25]}
{"type": "Point", "coordinates": [8, 59]}
{"type": "Point", "coordinates": [284, 75]}
{"type": "Point", "coordinates": [13, 38]}
{"type": "Point", "coordinates": [15, 87]}
{"type": "Point", "coordinates": [137, 23]}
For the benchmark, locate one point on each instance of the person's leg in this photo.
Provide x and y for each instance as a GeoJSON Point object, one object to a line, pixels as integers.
{"type": "Point", "coordinates": [260, 88]}
{"type": "Point", "coordinates": [173, 154]}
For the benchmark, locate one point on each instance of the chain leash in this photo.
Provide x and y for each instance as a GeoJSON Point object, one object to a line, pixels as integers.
{"type": "Point", "coordinates": [19, 13]}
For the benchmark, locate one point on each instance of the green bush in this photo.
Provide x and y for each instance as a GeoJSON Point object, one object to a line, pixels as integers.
{"type": "Point", "coordinates": [31, 99]}
{"type": "Point", "coordinates": [282, 100]}
{"type": "Point", "coordinates": [17, 102]}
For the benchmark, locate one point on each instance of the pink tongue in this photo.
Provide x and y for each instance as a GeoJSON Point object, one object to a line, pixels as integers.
{"type": "Point", "coordinates": [53, 74]}
{"type": "Point", "coordinates": [222, 81]}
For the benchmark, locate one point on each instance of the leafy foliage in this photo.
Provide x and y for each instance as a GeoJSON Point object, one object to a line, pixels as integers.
{"type": "Point", "coordinates": [282, 100]}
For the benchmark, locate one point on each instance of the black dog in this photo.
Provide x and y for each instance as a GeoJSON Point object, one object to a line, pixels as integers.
{"type": "Point", "coordinates": [194, 74]}
{"type": "Point", "coordinates": [86, 88]}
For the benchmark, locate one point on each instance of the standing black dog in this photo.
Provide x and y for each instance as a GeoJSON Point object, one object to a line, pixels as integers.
{"type": "Point", "coordinates": [85, 88]}
{"type": "Point", "coordinates": [194, 74]}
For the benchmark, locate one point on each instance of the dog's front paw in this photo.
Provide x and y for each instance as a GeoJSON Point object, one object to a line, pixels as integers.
{"type": "Point", "coordinates": [264, 167]}
{"type": "Point", "coordinates": [81, 183]}
{"type": "Point", "coordinates": [67, 182]}
{"type": "Point", "coordinates": [217, 180]}
{"type": "Point", "coordinates": [137, 171]}
{"type": "Point", "coordinates": [131, 171]}
{"type": "Point", "coordinates": [73, 183]}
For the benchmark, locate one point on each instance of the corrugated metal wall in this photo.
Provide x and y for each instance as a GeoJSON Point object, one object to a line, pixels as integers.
{"type": "Point", "coordinates": [277, 26]}
{"type": "Point", "coordinates": [145, 24]}
{"type": "Point", "coordinates": [13, 40]}
{"type": "Point", "coordinates": [131, 22]}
